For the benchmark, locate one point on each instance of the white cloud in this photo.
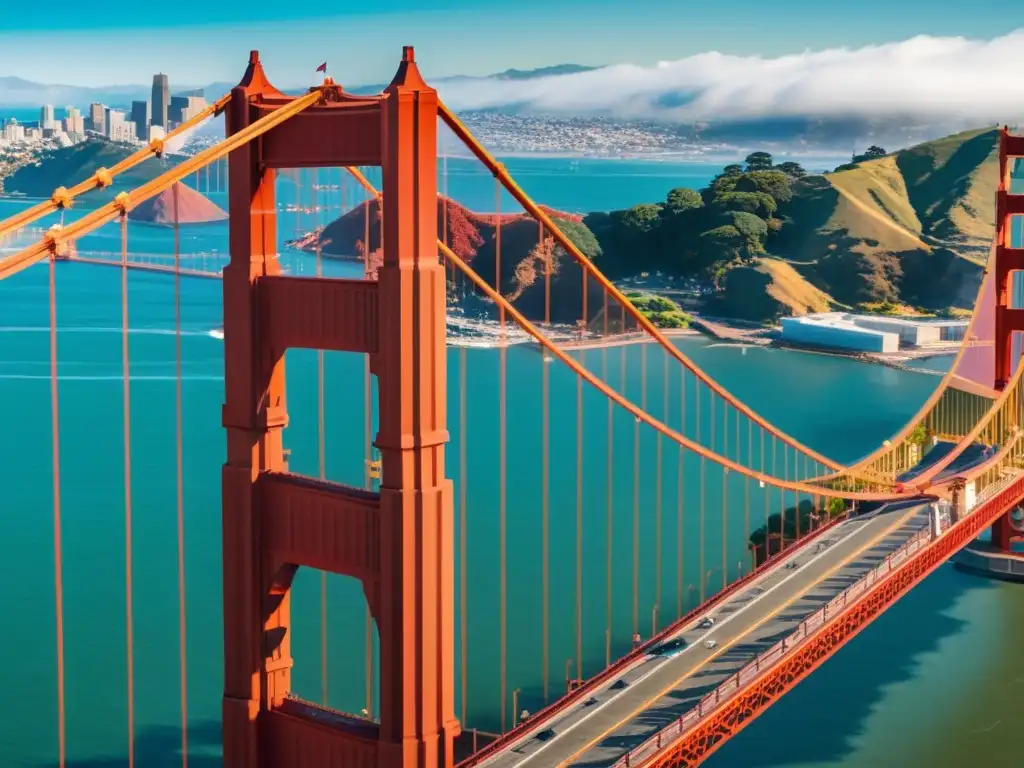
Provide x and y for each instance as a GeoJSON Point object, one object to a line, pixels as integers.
{"type": "Point", "coordinates": [927, 77]}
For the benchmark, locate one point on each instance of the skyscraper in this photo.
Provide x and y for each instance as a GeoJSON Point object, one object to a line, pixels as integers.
{"type": "Point", "coordinates": [161, 101]}
{"type": "Point", "coordinates": [140, 117]}
{"type": "Point", "coordinates": [96, 118]}
{"type": "Point", "coordinates": [46, 120]}
{"type": "Point", "coordinates": [176, 113]}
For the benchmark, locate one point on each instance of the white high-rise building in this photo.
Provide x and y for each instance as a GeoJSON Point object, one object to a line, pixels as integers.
{"type": "Point", "coordinates": [74, 122]}
{"type": "Point", "coordinates": [118, 128]}
{"type": "Point", "coordinates": [13, 132]}
{"type": "Point", "coordinates": [46, 119]}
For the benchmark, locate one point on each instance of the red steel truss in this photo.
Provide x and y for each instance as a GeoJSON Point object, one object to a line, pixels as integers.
{"type": "Point", "coordinates": [735, 714]}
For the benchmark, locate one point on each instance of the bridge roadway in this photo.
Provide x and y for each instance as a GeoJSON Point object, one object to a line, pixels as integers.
{"type": "Point", "coordinates": [658, 689]}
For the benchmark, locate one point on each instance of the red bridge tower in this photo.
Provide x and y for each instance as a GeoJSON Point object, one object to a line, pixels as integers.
{"type": "Point", "coordinates": [1009, 318]}
{"type": "Point", "coordinates": [399, 542]}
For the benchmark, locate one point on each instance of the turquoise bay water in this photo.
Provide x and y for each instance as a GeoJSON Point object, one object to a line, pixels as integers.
{"type": "Point", "coordinates": [935, 677]}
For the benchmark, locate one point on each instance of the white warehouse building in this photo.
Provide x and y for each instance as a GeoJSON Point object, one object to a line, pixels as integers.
{"type": "Point", "coordinates": [834, 329]}
{"type": "Point", "coordinates": [913, 334]}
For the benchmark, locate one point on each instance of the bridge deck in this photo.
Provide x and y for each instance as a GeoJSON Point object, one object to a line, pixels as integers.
{"type": "Point", "coordinates": [658, 690]}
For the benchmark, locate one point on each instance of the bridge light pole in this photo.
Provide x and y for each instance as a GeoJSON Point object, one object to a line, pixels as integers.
{"type": "Point", "coordinates": [515, 707]}
{"type": "Point", "coordinates": [654, 620]}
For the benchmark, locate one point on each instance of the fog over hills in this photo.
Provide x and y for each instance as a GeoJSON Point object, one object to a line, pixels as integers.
{"type": "Point", "coordinates": [898, 93]}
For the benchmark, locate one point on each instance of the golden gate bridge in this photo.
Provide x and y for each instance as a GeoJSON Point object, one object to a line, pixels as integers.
{"type": "Point", "coordinates": [841, 542]}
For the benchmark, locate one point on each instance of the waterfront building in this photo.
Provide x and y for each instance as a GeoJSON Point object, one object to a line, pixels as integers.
{"type": "Point", "coordinates": [845, 331]}
{"type": "Point", "coordinates": [832, 330]}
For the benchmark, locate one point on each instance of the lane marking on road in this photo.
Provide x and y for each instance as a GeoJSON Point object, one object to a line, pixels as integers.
{"type": "Point", "coordinates": [716, 628]}
{"type": "Point", "coordinates": [723, 648]}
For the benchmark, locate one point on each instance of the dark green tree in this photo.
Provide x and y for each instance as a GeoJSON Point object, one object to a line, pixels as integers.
{"type": "Point", "coordinates": [774, 183]}
{"type": "Point", "coordinates": [753, 230]}
{"type": "Point", "coordinates": [681, 199]}
{"type": "Point", "coordinates": [641, 219]}
{"type": "Point", "coordinates": [875, 151]}
{"type": "Point", "coordinates": [758, 203]}
{"type": "Point", "coordinates": [790, 168]}
{"type": "Point", "coordinates": [732, 170]}
{"type": "Point", "coordinates": [758, 161]}
{"type": "Point", "coordinates": [581, 236]}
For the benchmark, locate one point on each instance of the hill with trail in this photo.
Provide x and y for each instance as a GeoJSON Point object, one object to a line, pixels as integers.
{"type": "Point", "coordinates": [911, 229]}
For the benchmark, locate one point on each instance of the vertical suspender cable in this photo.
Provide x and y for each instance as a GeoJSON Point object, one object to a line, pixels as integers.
{"type": "Point", "coordinates": [681, 469]}
{"type": "Point", "coordinates": [579, 528]}
{"type": "Point", "coordinates": [782, 493]}
{"type": "Point", "coordinates": [725, 496]}
{"type": "Point", "coordinates": [636, 483]}
{"type": "Point", "coordinates": [548, 255]}
{"type": "Point", "coordinates": [180, 461]}
{"type": "Point", "coordinates": [545, 491]}
{"type": "Point", "coordinates": [658, 523]}
{"type": "Point", "coordinates": [700, 510]}
{"type": "Point", "coordinates": [610, 506]}
{"type": "Point", "coordinates": [127, 475]}
{"type": "Point", "coordinates": [58, 555]}
{"type": "Point", "coordinates": [579, 499]}
{"type": "Point", "coordinates": [127, 492]}
{"type": "Point", "coordinates": [545, 473]}
{"type": "Point", "coordinates": [782, 497]}
{"type": "Point", "coordinates": [502, 469]}
{"type": "Point", "coordinates": [462, 528]}
{"type": "Point", "coordinates": [746, 479]}
{"type": "Point", "coordinates": [767, 517]}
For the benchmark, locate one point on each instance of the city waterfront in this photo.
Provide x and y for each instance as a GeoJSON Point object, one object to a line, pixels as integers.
{"type": "Point", "coordinates": [933, 682]}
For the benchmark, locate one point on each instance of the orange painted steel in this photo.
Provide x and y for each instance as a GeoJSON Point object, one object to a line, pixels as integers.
{"type": "Point", "coordinates": [62, 198]}
{"type": "Point", "coordinates": [276, 522]}
{"type": "Point", "coordinates": [126, 411]}
{"type": "Point", "coordinates": [638, 413]}
{"type": "Point", "coordinates": [56, 240]}
{"type": "Point", "coordinates": [180, 466]}
{"type": "Point", "coordinates": [641, 320]}
{"type": "Point", "coordinates": [58, 556]}
{"type": "Point", "coordinates": [748, 703]}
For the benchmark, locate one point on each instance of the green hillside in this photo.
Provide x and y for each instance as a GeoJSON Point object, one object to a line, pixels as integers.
{"type": "Point", "coordinates": [911, 228]}
{"type": "Point", "coordinates": [70, 165]}
{"type": "Point", "coordinates": [901, 232]}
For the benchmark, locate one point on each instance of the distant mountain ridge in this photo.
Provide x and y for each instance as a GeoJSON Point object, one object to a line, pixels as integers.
{"type": "Point", "coordinates": [16, 92]}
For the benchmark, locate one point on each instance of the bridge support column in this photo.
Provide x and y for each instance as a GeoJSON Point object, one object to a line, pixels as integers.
{"type": "Point", "coordinates": [416, 614]}
{"type": "Point", "coordinates": [257, 667]}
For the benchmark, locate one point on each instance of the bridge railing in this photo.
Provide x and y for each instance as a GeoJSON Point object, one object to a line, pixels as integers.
{"type": "Point", "coordinates": [773, 655]}
{"type": "Point", "coordinates": [764, 661]}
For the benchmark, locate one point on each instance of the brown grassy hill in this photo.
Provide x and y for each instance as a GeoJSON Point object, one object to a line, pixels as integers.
{"type": "Point", "coordinates": [193, 208]}
{"type": "Point", "coordinates": [473, 237]}
{"type": "Point", "coordinates": [909, 228]}
{"type": "Point", "coordinates": [767, 289]}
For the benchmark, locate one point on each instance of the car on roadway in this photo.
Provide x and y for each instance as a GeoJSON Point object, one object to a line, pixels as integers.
{"type": "Point", "coordinates": [669, 648]}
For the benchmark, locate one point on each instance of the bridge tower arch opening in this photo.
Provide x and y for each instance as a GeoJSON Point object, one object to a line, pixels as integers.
{"type": "Point", "coordinates": [398, 542]}
{"type": "Point", "coordinates": [1009, 314]}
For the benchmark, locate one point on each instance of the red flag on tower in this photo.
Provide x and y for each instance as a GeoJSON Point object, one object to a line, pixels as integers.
{"type": "Point", "coordinates": [322, 68]}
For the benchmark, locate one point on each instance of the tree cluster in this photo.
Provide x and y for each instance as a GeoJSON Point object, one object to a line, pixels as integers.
{"type": "Point", "coordinates": [699, 232]}
{"type": "Point", "coordinates": [871, 153]}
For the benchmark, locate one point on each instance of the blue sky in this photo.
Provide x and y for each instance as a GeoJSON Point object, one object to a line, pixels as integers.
{"type": "Point", "coordinates": [200, 41]}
